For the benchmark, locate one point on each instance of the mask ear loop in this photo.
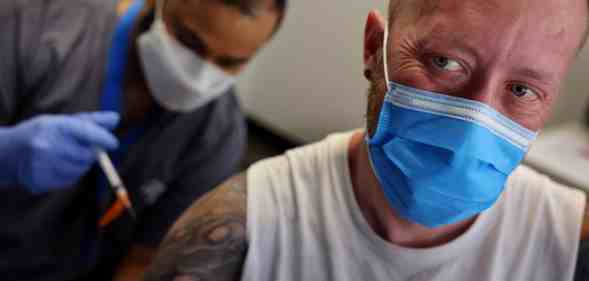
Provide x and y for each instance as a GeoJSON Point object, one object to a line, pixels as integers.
{"type": "Point", "coordinates": [385, 56]}
{"type": "Point", "coordinates": [386, 74]}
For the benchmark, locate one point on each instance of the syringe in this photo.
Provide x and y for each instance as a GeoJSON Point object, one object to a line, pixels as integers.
{"type": "Point", "coordinates": [115, 180]}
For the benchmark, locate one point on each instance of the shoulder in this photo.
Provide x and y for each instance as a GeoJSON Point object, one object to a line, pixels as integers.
{"type": "Point", "coordinates": [214, 134]}
{"type": "Point", "coordinates": [544, 190]}
{"type": "Point", "coordinates": [40, 21]}
{"type": "Point", "coordinates": [226, 104]}
{"type": "Point", "coordinates": [209, 241]}
{"type": "Point", "coordinates": [62, 9]}
{"type": "Point", "coordinates": [294, 171]}
{"type": "Point", "coordinates": [528, 183]}
{"type": "Point", "coordinates": [32, 13]}
{"type": "Point", "coordinates": [530, 194]}
{"type": "Point", "coordinates": [64, 34]}
{"type": "Point", "coordinates": [226, 111]}
{"type": "Point", "coordinates": [298, 183]}
{"type": "Point", "coordinates": [221, 119]}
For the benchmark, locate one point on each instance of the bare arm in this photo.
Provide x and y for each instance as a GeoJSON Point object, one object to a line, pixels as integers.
{"type": "Point", "coordinates": [585, 225]}
{"type": "Point", "coordinates": [135, 263]}
{"type": "Point", "coordinates": [209, 241]}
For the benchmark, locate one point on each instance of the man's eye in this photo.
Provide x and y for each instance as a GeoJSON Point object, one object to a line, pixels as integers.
{"type": "Point", "coordinates": [447, 64]}
{"type": "Point", "coordinates": [521, 91]}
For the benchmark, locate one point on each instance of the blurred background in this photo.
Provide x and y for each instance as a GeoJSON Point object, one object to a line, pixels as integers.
{"type": "Point", "coordinates": [309, 82]}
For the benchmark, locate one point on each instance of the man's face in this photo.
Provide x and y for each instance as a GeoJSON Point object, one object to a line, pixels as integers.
{"type": "Point", "coordinates": [510, 54]}
{"type": "Point", "coordinates": [221, 33]}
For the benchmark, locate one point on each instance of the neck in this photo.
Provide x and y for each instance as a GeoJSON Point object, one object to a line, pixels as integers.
{"type": "Point", "coordinates": [380, 215]}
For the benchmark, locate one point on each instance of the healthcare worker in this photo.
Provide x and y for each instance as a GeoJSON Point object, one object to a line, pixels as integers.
{"type": "Point", "coordinates": [150, 82]}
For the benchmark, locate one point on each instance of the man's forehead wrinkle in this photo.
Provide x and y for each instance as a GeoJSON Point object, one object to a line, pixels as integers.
{"type": "Point", "coordinates": [418, 12]}
{"type": "Point", "coordinates": [467, 23]}
{"type": "Point", "coordinates": [447, 38]}
{"type": "Point", "coordinates": [452, 6]}
{"type": "Point", "coordinates": [412, 9]}
{"type": "Point", "coordinates": [427, 7]}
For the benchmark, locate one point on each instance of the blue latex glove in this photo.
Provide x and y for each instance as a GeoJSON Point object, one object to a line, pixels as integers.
{"type": "Point", "coordinates": [54, 151]}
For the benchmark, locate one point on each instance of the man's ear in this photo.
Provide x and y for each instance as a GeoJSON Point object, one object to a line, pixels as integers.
{"type": "Point", "coordinates": [373, 39]}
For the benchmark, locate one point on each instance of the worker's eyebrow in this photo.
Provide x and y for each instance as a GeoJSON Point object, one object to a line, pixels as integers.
{"type": "Point", "coordinates": [189, 38]}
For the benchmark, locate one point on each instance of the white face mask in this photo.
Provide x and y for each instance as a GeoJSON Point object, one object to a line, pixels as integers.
{"type": "Point", "coordinates": [178, 78]}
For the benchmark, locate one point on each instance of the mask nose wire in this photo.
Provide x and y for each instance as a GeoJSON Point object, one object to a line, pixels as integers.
{"type": "Point", "coordinates": [385, 57]}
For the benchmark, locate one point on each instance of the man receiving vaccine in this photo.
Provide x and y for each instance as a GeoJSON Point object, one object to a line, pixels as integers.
{"type": "Point", "coordinates": [148, 81]}
{"type": "Point", "coordinates": [433, 187]}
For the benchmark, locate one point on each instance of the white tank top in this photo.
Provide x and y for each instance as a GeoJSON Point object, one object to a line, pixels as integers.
{"type": "Point", "coordinates": [303, 223]}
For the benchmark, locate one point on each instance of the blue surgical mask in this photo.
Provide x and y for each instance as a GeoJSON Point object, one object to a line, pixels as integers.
{"type": "Point", "coordinates": [442, 159]}
{"type": "Point", "coordinates": [178, 78]}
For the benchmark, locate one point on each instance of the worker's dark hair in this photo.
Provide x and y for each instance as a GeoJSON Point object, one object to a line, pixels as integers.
{"type": "Point", "coordinates": [249, 8]}
{"type": "Point", "coordinates": [281, 5]}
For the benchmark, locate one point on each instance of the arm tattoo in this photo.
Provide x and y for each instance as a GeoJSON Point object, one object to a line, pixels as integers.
{"type": "Point", "coordinates": [209, 241]}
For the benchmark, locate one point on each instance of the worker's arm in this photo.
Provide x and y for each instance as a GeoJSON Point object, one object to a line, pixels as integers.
{"type": "Point", "coordinates": [209, 241]}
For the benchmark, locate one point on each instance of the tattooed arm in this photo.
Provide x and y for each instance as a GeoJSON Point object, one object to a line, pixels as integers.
{"type": "Point", "coordinates": [209, 241]}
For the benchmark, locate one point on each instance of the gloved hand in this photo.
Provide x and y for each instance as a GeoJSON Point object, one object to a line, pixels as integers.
{"type": "Point", "coordinates": [54, 151]}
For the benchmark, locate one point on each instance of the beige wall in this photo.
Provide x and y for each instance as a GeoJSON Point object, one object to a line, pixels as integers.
{"type": "Point", "coordinates": [574, 100]}
{"type": "Point", "coordinates": [309, 81]}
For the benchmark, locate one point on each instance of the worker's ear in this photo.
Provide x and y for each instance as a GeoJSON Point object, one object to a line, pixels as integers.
{"type": "Point", "coordinates": [373, 39]}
